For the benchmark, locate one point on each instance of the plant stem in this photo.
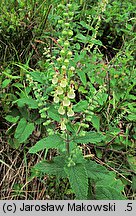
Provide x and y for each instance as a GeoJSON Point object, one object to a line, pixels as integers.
{"type": "Point", "coordinates": [67, 142]}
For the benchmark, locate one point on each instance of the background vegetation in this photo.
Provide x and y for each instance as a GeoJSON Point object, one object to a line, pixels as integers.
{"type": "Point", "coordinates": [103, 46]}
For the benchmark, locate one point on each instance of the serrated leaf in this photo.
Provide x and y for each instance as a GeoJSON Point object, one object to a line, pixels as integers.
{"type": "Point", "coordinates": [82, 76]}
{"type": "Point", "coordinates": [95, 171]}
{"type": "Point", "coordinates": [53, 141]}
{"type": "Point", "coordinates": [78, 180]}
{"type": "Point", "coordinates": [53, 114]}
{"type": "Point", "coordinates": [110, 180]}
{"type": "Point", "coordinates": [90, 137]}
{"type": "Point", "coordinates": [23, 130]}
{"type": "Point", "coordinates": [108, 193]}
{"type": "Point", "coordinates": [80, 106]}
{"type": "Point", "coordinates": [55, 167]}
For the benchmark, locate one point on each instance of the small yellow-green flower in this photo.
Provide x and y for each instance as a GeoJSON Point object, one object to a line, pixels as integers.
{"type": "Point", "coordinates": [66, 62]}
{"type": "Point", "coordinates": [63, 83]}
{"type": "Point", "coordinates": [56, 99]}
{"type": "Point", "coordinates": [55, 79]}
{"type": "Point", "coordinates": [66, 101]}
{"type": "Point", "coordinates": [71, 94]}
{"type": "Point", "coordinates": [69, 54]}
{"type": "Point", "coordinates": [59, 90]}
{"type": "Point", "coordinates": [70, 112]}
{"type": "Point", "coordinates": [63, 67]}
{"type": "Point", "coordinates": [61, 110]}
{"type": "Point", "coordinates": [72, 68]}
{"type": "Point", "coordinates": [62, 125]}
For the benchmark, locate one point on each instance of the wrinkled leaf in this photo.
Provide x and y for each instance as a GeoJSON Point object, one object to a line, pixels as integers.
{"type": "Point", "coordinates": [55, 167]}
{"type": "Point", "coordinates": [78, 180]}
{"type": "Point", "coordinates": [90, 137]}
{"type": "Point", "coordinates": [108, 193]}
{"type": "Point", "coordinates": [53, 141]}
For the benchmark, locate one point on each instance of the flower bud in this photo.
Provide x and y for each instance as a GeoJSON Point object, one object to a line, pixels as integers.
{"type": "Point", "coordinates": [60, 21]}
{"type": "Point", "coordinates": [65, 14]}
{"type": "Point", "coordinates": [47, 122]}
{"type": "Point", "coordinates": [63, 67]}
{"type": "Point", "coordinates": [69, 6]}
{"type": "Point", "coordinates": [67, 24]}
{"type": "Point", "coordinates": [70, 33]}
{"type": "Point", "coordinates": [61, 6]}
{"type": "Point", "coordinates": [64, 32]}
{"type": "Point", "coordinates": [62, 52]}
{"type": "Point", "coordinates": [71, 13]}
{"type": "Point", "coordinates": [69, 54]}
{"type": "Point", "coordinates": [66, 44]}
{"type": "Point", "coordinates": [59, 59]}
{"type": "Point", "coordinates": [66, 62]}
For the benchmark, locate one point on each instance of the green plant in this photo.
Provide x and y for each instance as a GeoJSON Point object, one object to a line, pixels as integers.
{"type": "Point", "coordinates": [84, 175]}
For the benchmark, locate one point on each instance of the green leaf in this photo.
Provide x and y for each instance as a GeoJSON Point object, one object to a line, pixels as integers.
{"type": "Point", "coordinates": [82, 38]}
{"type": "Point", "coordinates": [53, 114]}
{"type": "Point", "coordinates": [104, 180]}
{"type": "Point", "coordinates": [131, 117]}
{"type": "Point", "coordinates": [27, 101]}
{"type": "Point", "coordinates": [55, 167]}
{"type": "Point", "coordinates": [80, 106]}
{"type": "Point", "coordinates": [23, 130]}
{"type": "Point", "coordinates": [14, 143]}
{"type": "Point", "coordinates": [40, 145]}
{"type": "Point", "coordinates": [5, 83]}
{"type": "Point", "coordinates": [12, 119]}
{"type": "Point", "coordinates": [92, 137]}
{"type": "Point", "coordinates": [96, 122]}
{"type": "Point", "coordinates": [110, 180]}
{"type": "Point", "coordinates": [95, 171]}
{"type": "Point", "coordinates": [82, 76]}
{"type": "Point", "coordinates": [37, 76]}
{"type": "Point", "coordinates": [97, 42]}
{"type": "Point", "coordinates": [53, 141]}
{"type": "Point", "coordinates": [18, 85]}
{"type": "Point", "coordinates": [78, 180]}
{"type": "Point", "coordinates": [10, 76]}
{"type": "Point", "coordinates": [108, 193]}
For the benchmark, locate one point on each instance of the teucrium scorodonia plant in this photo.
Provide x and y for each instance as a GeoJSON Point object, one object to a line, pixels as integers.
{"type": "Point", "coordinates": [70, 163]}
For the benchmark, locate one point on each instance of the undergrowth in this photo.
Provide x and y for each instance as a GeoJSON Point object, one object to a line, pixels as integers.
{"type": "Point", "coordinates": [67, 100]}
